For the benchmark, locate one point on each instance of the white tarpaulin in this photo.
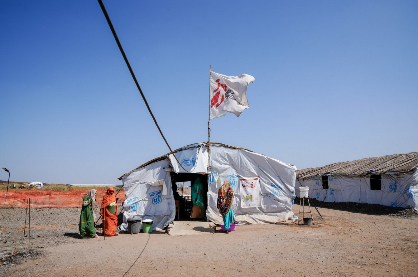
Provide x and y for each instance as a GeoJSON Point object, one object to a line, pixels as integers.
{"type": "Point", "coordinates": [149, 195]}
{"type": "Point", "coordinates": [275, 188]}
{"type": "Point", "coordinates": [194, 160]}
{"type": "Point", "coordinates": [38, 185]}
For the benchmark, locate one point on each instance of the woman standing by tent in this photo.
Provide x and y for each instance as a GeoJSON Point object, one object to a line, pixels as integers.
{"type": "Point", "coordinates": [225, 200]}
{"type": "Point", "coordinates": [86, 225]}
{"type": "Point", "coordinates": [109, 211]}
{"type": "Point", "coordinates": [198, 210]}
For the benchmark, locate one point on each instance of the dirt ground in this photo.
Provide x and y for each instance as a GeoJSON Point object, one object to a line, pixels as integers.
{"type": "Point", "coordinates": [350, 240]}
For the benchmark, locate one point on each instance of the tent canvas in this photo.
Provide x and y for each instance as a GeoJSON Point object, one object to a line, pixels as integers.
{"type": "Point", "coordinates": [149, 193]}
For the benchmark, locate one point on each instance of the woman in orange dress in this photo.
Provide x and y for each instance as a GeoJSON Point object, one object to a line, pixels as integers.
{"type": "Point", "coordinates": [109, 211]}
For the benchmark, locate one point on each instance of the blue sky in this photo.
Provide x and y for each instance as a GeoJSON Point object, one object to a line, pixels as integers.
{"type": "Point", "coordinates": [335, 81]}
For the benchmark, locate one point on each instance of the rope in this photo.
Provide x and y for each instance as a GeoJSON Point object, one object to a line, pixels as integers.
{"type": "Point", "coordinates": [138, 256]}
{"type": "Point", "coordinates": [133, 75]}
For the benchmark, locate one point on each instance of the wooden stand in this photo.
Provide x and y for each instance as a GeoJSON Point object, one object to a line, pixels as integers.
{"type": "Point", "coordinates": [302, 203]}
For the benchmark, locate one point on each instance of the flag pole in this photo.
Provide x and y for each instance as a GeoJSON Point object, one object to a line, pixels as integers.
{"type": "Point", "coordinates": [210, 70]}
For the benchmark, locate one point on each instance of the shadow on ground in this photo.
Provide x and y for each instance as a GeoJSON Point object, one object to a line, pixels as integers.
{"type": "Point", "coordinates": [370, 209]}
{"type": "Point", "coordinates": [73, 235]}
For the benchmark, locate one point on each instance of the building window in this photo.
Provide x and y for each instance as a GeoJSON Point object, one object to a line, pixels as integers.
{"type": "Point", "coordinates": [325, 182]}
{"type": "Point", "coordinates": [375, 182]}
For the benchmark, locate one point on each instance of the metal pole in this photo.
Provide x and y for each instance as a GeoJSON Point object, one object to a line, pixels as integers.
{"type": "Point", "coordinates": [103, 223]}
{"type": "Point", "coordinates": [210, 70]}
{"type": "Point", "coordinates": [303, 207]}
{"type": "Point", "coordinates": [26, 215]}
{"type": "Point", "coordinates": [29, 223]}
{"type": "Point", "coordinates": [8, 180]}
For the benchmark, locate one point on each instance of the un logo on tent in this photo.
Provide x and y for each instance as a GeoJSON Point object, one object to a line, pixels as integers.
{"type": "Point", "coordinates": [134, 207]}
{"type": "Point", "coordinates": [393, 186]}
{"type": "Point", "coordinates": [275, 190]}
{"type": "Point", "coordinates": [156, 197]}
{"type": "Point", "coordinates": [189, 162]}
{"type": "Point", "coordinates": [133, 204]}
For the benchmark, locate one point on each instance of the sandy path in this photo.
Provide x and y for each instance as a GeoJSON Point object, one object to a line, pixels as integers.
{"type": "Point", "coordinates": [342, 244]}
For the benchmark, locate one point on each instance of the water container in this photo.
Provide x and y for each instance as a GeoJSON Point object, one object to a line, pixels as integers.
{"type": "Point", "coordinates": [231, 227]}
{"type": "Point", "coordinates": [304, 192]}
{"type": "Point", "coordinates": [111, 208]}
{"type": "Point", "coordinates": [147, 225]}
{"type": "Point", "coordinates": [134, 226]}
{"type": "Point", "coordinates": [307, 221]}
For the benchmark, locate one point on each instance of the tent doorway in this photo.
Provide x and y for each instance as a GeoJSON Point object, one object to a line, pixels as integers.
{"type": "Point", "coordinates": [186, 185]}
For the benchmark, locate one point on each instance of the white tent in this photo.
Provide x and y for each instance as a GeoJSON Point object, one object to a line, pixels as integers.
{"type": "Point", "coordinates": [38, 185]}
{"type": "Point", "coordinates": [267, 198]}
{"type": "Point", "coordinates": [390, 180]}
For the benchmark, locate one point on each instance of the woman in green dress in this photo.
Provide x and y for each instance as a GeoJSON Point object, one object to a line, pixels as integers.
{"type": "Point", "coordinates": [198, 210]}
{"type": "Point", "coordinates": [86, 225]}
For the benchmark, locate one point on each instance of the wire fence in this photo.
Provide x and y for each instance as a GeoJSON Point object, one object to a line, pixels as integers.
{"type": "Point", "coordinates": [50, 198]}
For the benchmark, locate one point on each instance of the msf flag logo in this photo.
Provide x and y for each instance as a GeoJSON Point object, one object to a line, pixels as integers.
{"type": "Point", "coordinates": [228, 94]}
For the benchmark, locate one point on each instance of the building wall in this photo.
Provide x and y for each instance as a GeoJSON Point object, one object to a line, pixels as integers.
{"type": "Point", "coordinates": [396, 190]}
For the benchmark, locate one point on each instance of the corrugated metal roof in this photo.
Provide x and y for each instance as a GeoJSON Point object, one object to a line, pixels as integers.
{"type": "Point", "coordinates": [397, 163]}
{"type": "Point", "coordinates": [199, 144]}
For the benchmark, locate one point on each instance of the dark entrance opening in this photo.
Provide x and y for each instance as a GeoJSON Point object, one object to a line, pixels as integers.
{"type": "Point", "coordinates": [375, 182]}
{"type": "Point", "coordinates": [183, 195]}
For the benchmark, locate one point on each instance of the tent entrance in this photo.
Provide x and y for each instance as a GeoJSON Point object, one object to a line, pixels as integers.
{"type": "Point", "coordinates": [184, 186]}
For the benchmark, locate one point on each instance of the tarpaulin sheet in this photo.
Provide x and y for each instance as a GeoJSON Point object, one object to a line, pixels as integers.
{"type": "Point", "coordinates": [277, 182]}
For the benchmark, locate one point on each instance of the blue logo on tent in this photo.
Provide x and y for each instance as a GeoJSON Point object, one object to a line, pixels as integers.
{"type": "Point", "coordinates": [189, 162]}
{"type": "Point", "coordinates": [330, 178]}
{"type": "Point", "coordinates": [393, 186]}
{"type": "Point", "coordinates": [212, 177]}
{"type": "Point", "coordinates": [233, 180]}
{"type": "Point", "coordinates": [317, 195]}
{"type": "Point", "coordinates": [317, 182]}
{"type": "Point", "coordinates": [156, 197]}
{"type": "Point", "coordinates": [275, 190]}
{"type": "Point", "coordinates": [393, 204]}
{"type": "Point", "coordinates": [331, 191]}
{"type": "Point", "coordinates": [133, 200]}
{"type": "Point", "coordinates": [186, 162]}
{"type": "Point", "coordinates": [133, 207]}
{"type": "Point", "coordinates": [133, 204]}
{"type": "Point", "coordinates": [157, 200]}
{"type": "Point", "coordinates": [409, 192]}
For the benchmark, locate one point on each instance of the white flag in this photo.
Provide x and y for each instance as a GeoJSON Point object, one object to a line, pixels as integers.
{"type": "Point", "coordinates": [228, 94]}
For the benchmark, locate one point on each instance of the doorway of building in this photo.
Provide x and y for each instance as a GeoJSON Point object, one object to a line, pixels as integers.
{"type": "Point", "coordinates": [184, 186]}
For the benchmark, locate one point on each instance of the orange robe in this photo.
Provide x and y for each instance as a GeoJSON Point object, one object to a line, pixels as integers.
{"type": "Point", "coordinates": [110, 221]}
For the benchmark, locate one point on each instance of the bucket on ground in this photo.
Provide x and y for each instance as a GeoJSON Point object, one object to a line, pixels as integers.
{"type": "Point", "coordinates": [134, 225]}
{"type": "Point", "coordinates": [231, 227]}
{"type": "Point", "coordinates": [304, 192]}
{"type": "Point", "coordinates": [147, 225]}
{"type": "Point", "coordinates": [307, 221]}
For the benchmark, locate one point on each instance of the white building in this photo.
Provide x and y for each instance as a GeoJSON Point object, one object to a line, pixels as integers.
{"type": "Point", "coordinates": [390, 180]}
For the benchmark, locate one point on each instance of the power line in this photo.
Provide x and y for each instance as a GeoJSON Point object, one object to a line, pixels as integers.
{"type": "Point", "coordinates": [133, 76]}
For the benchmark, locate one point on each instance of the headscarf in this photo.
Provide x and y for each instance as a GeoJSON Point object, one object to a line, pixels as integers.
{"type": "Point", "coordinates": [225, 198]}
{"type": "Point", "coordinates": [108, 198]}
{"type": "Point", "coordinates": [92, 194]}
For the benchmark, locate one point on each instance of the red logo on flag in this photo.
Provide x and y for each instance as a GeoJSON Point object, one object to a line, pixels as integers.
{"type": "Point", "coordinates": [215, 99]}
